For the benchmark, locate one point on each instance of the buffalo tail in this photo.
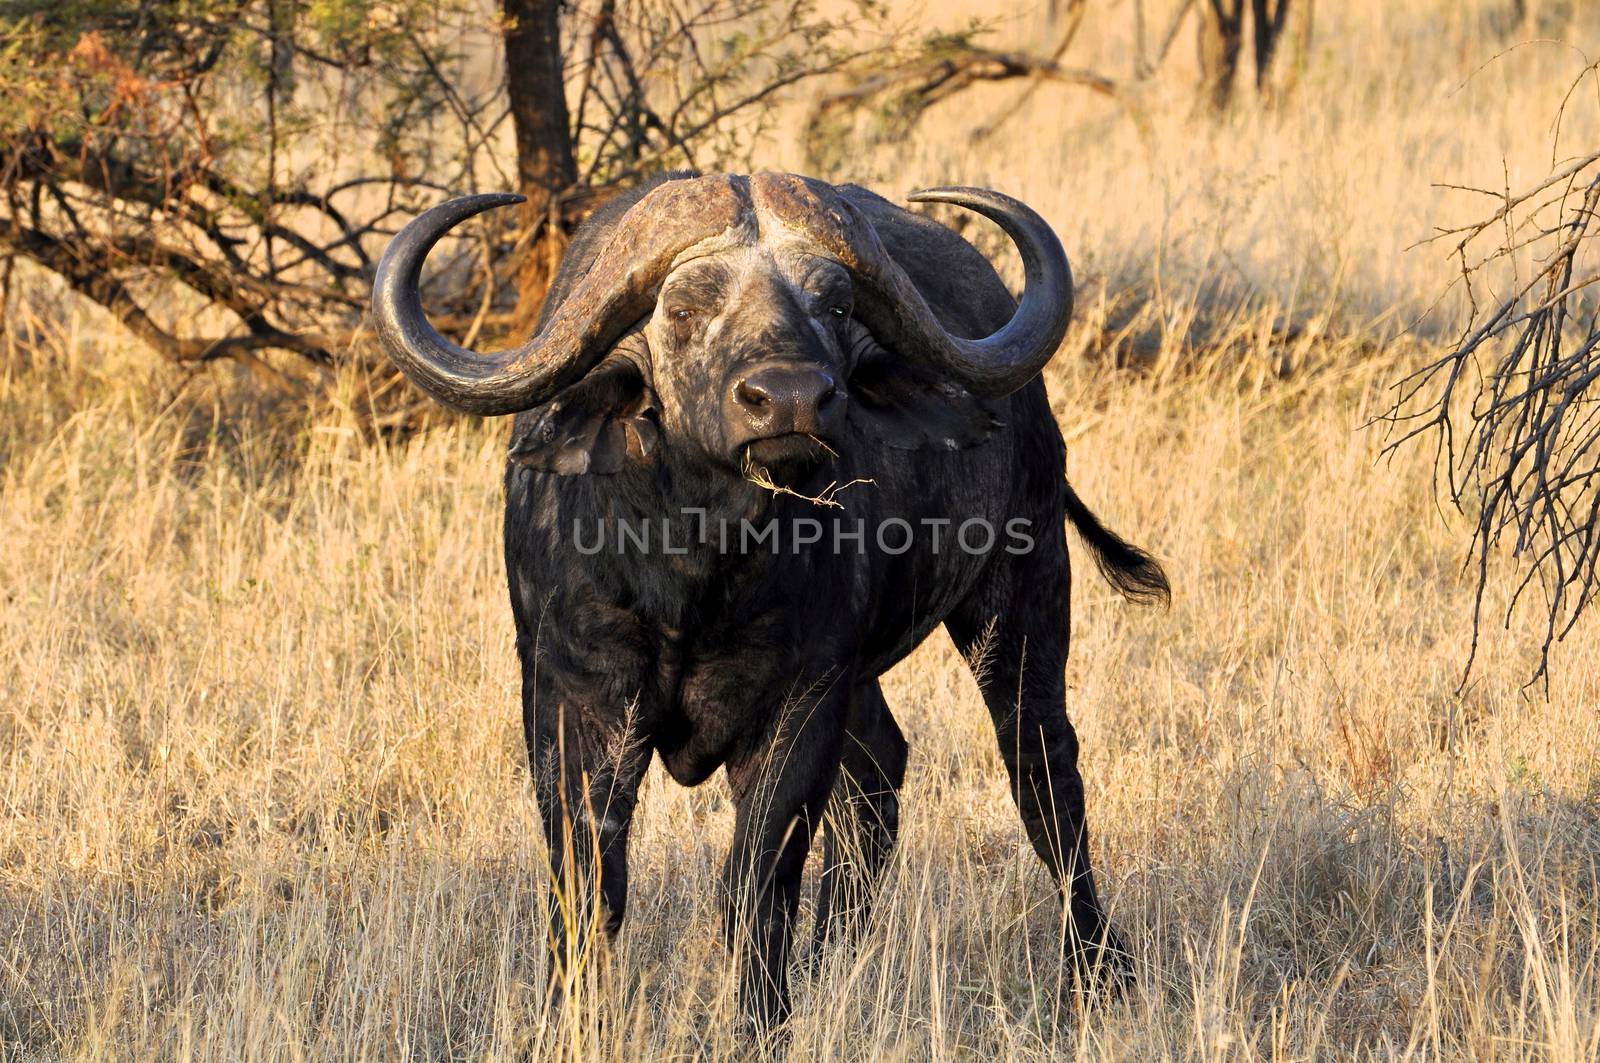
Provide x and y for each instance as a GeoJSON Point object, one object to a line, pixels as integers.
{"type": "Point", "coordinates": [1133, 573]}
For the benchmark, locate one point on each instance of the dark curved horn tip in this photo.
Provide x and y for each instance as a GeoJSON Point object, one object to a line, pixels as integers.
{"type": "Point", "coordinates": [466, 206]}
{"type": "Point", "coordinates": [942, 194]}
{"type": "Point", "coordinates": [1007, 360]}
{"type": "Point", "coordinates": [412, 243]}
{"type": "Point", "coordinates": [967, 196]}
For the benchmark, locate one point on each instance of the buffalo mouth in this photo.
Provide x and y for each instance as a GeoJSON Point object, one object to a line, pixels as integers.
{"type": "Point", "coordinates": [788, 458]}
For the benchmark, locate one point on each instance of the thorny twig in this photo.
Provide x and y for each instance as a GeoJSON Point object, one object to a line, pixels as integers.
{"type": "Point", "coordinates": [1512, 406]}
{"type": "Point", "coordinates": [828, 496]}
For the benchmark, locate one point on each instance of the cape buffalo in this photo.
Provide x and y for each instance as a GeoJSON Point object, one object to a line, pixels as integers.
{"type": "Point", "coordinates": [770, 433]}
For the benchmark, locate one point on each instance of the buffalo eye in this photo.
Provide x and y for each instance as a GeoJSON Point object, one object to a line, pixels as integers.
{"type": "Point", "coordinates": [682, 315]}
{"type": "Point", "coordinates": [838, 311]}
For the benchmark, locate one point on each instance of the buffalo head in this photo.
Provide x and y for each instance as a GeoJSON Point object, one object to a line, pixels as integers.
{"type": "Point", "coordinates": [747, 319]}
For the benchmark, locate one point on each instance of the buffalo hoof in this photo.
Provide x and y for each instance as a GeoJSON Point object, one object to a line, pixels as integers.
{"type": "Point", "coordinates": [1100, 968]}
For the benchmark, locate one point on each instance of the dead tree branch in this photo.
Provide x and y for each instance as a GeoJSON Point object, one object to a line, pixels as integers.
{"type": "Point", "coordinates": [1512, 408]}
{"type": "Point", "coordinates": [903, 93]}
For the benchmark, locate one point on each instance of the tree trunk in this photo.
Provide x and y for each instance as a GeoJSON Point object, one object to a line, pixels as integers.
{"type": "Point", "coordinates": [545, 164]}
{"type": "Point", "coordinates": [1282, 41]}
{"type": "Point", "coordinates": [1280, 36]}
{"type": "Point", "coordinates": [1221, 34]}
{"type": "Point", "coordinates": [1266, 17]}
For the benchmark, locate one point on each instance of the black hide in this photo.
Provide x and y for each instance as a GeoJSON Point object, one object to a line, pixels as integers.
{"type": "Point", "coordinates": [767, 664]}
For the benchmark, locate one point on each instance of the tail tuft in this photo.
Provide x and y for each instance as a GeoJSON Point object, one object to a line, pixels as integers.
{"type": "Point", "coordinates": [1134, 574]}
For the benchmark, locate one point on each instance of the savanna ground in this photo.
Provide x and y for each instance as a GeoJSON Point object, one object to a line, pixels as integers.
{"type": "Point", "coordinates": [264, 791]}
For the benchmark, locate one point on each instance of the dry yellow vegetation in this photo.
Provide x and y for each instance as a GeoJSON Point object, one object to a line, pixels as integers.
{"type": "Point", "coordinates": [264, 793]}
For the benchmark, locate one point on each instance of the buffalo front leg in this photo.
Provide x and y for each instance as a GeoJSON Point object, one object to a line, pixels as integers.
{"type": "Point", "coordinates": [587, 765]}
{"type": "Point", "coordinates": [780, 785]}
{"type": "Point", "coordinates": [1014, 634]}
{"type": "Point", "coordinates": [863, 821]}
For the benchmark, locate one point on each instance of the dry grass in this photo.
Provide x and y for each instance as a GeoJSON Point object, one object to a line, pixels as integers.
{"type": "Point", "coordinates": [264, 793]}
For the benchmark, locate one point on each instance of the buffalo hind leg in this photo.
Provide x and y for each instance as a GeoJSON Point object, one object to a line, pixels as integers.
{"type": "Point", "coordinates": [860, 830]}
{"type": "Point", "coordinates": [586, 767]}
{"type": "Point", "coordinates": [780, 786]}
{"type": "Point", "coordinates": [1013, 630]}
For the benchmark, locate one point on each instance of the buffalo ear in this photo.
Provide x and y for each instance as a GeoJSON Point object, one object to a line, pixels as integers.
{"type": "Point", "coordinates": [909, 407]}
{"type": "Point", "coordinates": [597, 425]}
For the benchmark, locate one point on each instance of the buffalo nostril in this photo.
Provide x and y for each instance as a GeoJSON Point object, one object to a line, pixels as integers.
{"type": "Point", "coordinates": [778, 397]}
{"type": "Point", "coordinates": [748, 394]}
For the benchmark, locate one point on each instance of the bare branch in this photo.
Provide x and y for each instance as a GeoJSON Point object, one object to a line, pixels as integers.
{"type": "Point", "coordinates": [1513, 404]}
{"type": "Point", "coordinates": [77, 265]}
{"type": "Point", "coordinates": [917, 85]}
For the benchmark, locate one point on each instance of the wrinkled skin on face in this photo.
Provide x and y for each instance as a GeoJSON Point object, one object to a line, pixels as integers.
{"type": "Point", "coordinates": [722, 316]}
{"type": "Point", "coordinates": [754, 355]}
